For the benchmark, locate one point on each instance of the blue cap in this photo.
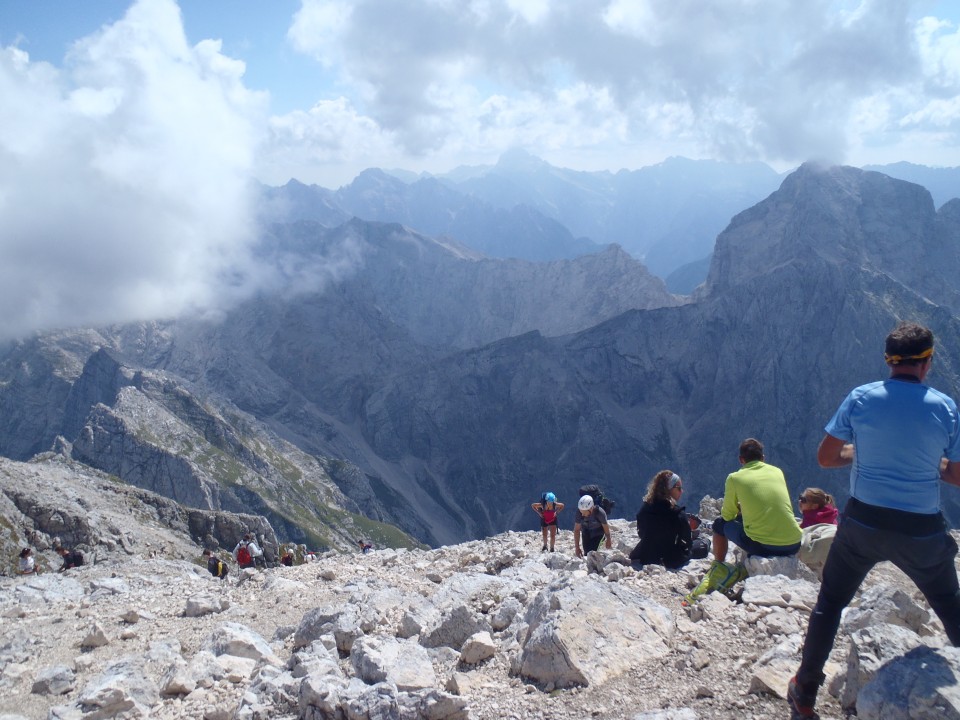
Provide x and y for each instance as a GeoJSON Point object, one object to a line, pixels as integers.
{"type": "Point", "coordinates": [551, 497]}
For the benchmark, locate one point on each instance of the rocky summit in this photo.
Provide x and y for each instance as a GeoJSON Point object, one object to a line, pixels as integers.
{"type": "Point", "coordinates": [493, 628]}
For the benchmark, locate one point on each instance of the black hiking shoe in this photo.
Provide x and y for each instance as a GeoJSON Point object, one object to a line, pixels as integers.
{"type": "Point", "coordinates": [801, 701]}
{"type": "Point", "coordinates": [543, 549]}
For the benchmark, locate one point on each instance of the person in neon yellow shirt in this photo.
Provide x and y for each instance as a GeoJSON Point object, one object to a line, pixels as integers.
{"type": "Point", "coordinates": [757, 513]}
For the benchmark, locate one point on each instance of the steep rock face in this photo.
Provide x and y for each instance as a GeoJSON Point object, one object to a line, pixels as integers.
{"type": "Point", "coordinates": [154, 432]}
{"type": "Point", "coordinates": [445, 295]}
{"type": "Point", "coordinates": [36, 376]}
{"type": "Point", "coordinates": [846, 217]}
{"type": "Point", "coordinates": [53, 498]}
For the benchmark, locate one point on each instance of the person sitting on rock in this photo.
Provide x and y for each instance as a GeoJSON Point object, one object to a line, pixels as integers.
{"type": "Point", "coordinates": [245, 552]}
{"type": "Point", "coordinates": [547, 509]}
{"type": "Point", "coordinates": [757, 514]}
{"type": "Point", "coordinates": [666, 536]}
{"type": "Point", "coordinates": [364, 546]}
{"type": "Point", "coordinates": [215, 565]}
{"type": "Point", "coordinates": [817, 508]}
{"type": "Point", "coordinates": [591, 525]}
{"type": "Point", "coordinates": [71, 559]}
{"type": "Point", "coordinates": [27, 564]}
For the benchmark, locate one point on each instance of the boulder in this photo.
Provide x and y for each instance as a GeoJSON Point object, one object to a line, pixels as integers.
{"type": "Point", "coordinates": [240, 641]}
{"type": "Point", "coordinates": [54, 680]}
{"type": "Point", "coordinates": [477, 648]}
{"type": "Point", "coordinates": [880, 604]}
{"type": "Point", "coordinates": [780, 591]}
{"type": "Point", "coordinates": [870, 649]}
{"type": "Point", "coordinates": [582, 632]}
{"type": "Point", "coordinates": [399, 662]}
{"type": "Point", "coordinates": [924, 683]}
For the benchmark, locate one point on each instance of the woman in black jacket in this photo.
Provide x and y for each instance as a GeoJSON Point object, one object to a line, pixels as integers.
{"type": "Point", "coordinates": [662, 524]}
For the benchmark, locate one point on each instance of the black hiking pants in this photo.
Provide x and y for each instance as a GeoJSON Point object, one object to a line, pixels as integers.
{"type": "Point", "coordinates": [927, 560]}
{"type": "Point", "coordinates": [591, 541]}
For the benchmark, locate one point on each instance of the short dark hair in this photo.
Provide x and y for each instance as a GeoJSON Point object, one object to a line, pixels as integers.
{"type": "Point", "coordinates": [208, 552]}
{"type": "Point", "coordinates": [751, 449]}
{"type": "Point", "coordinates": [905, 341]}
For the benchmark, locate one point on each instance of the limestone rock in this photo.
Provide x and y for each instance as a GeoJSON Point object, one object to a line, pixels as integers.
{"type": "Point", "coordinates": [402, 663]}
{"type": "Point", "coordinates": [582, 632]}
{"type": "Point", "coordinates": [55, 680]}
{"type": "Point", "coordinates": [478, 648]}
{"type": "Point", "coordinates": [870, 649]}
{"type": "Point", "coordinates": [923, 683]}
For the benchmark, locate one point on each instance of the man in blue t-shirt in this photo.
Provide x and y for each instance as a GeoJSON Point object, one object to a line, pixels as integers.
{"type": "Point", "coordinates": [901, 438]}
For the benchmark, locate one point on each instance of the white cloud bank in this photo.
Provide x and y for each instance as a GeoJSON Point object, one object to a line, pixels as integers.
{"type": "Point", "coordinates": [124, 176]}
{"type": "Point", "coordinates": [429, 84]}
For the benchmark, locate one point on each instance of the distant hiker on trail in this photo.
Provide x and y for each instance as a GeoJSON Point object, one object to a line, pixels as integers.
{"type": "Point", "coordinates": [547, 509]}
{"type": "Point", "coordinates": [70, 559]}
{"type": "Point", "coordinates": [591, 525]}
{"type": "Point", "coordinates": [665, 529]}
{"type": "Point", "coordinates": [287, 558]}
{"type": "Point", "coordinates": [905, 438]}
{"type": "Point", "coordinates": [365, 547]}
{"type": "Point", "coordinates": [817, 508]}
{"type": "Point", "coordinates": [27, 564]}
{"type": "Point", "coordinates": [246, 552]}
{"type": "Point", "coordinates": [215, 565]}
{"type": "Point", "coordinates": [757, 514]}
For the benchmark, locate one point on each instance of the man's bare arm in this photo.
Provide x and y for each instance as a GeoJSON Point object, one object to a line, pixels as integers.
{"type": "Point", "coordinates": [834, 452]}
{"type": "Point", "coordinates": [950, 472]}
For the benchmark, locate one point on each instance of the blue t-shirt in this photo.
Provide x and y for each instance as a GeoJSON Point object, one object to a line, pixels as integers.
{"type": "Point", "coordinates": [900, 430]}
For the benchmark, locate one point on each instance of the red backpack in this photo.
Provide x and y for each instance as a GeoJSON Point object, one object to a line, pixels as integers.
{"type": "Point", "coordinates": [243, 557]}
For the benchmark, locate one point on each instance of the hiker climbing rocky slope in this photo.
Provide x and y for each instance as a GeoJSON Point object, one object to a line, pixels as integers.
{"type": "Point", "coordinates": [483, 630]}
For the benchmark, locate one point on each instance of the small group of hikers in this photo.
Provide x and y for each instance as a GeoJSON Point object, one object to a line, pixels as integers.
{"type": "Point", "coordinates": [27, 561]}
{"type": "Point", "coordinates": [248, 554]}
{"type": "Point", "coordinates": [590, 524]}
{"type": "Point", "coordinates": [900, 439]}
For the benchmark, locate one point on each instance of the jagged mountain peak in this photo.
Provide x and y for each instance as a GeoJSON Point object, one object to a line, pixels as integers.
{"type": "Point", "coordinates": [841, 216]}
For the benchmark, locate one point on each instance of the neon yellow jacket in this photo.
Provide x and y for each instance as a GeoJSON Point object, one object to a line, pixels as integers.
{"type": "Point", "coordinates": [764, 501]}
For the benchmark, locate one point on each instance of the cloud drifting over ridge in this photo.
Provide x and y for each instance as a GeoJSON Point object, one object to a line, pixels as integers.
{"type": "Point", "coordinates": [124, 177]}
{"type": "Point", "coordinates": [777, 81]}
{"type": "Point", "coordinates": [125, 171]}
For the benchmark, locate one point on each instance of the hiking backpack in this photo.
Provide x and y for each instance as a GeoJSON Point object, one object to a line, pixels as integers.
{"type": "Point", "coordinates": [599, 499]}
{"type": "Point", "coordinates": [243, 556]}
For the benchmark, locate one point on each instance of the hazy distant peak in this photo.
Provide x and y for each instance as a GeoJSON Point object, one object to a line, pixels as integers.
{"type": "Point", "coordinates": [519, 160]}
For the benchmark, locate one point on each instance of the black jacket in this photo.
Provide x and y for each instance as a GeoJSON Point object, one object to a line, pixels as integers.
{"type": "Point", "coordinates": [665, 536]}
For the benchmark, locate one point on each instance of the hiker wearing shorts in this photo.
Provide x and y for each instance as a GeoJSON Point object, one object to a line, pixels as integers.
{"type": "Point", "coordinates": [590, 525]}
{"type": "Point", "coordinates": [904, 437]}
{"type": "Point", "coordinates": [547, 509]}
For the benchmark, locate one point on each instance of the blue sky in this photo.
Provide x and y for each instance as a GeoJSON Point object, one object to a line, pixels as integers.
{"type": "Point", "coordinates": [134, 128]}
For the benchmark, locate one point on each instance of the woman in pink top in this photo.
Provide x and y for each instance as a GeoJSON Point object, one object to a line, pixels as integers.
{"type": "Point", "coordinates": [547, 509]}
{"type": "Point", "coordinates": [818, 508]}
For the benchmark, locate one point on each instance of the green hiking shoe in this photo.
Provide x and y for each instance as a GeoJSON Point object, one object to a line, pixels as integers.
{"type": "Point", "coordinates": [719, 576]}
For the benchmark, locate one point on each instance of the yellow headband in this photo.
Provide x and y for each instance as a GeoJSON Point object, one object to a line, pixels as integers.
{"type": "Point", "coordinates": [897, 359]}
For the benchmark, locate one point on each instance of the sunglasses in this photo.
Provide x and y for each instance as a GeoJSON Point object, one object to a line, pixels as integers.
{"type": "Point", "coordinates": [803, 499]}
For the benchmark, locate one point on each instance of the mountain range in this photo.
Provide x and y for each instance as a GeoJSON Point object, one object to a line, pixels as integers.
{"type": "Point", "coordinates": [666, 215]}
{"type": "Point", "coordinates": [414, 381]}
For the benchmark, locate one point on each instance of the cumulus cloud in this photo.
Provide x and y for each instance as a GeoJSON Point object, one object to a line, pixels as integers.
{"type": "Point", "coordinates": [778, 80]}
{"type": "Point", "coordinates": [124, 176]}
